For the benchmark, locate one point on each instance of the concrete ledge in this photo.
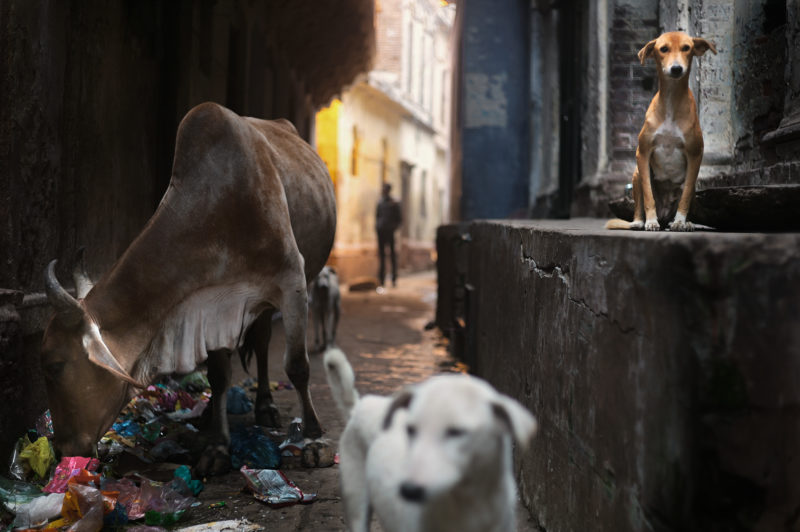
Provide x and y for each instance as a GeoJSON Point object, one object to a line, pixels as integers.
{"type": "Point", "coordinates": [664, 370]}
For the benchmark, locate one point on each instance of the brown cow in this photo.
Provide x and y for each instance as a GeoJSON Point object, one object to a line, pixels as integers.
{"type": "Point", "coordinates": [248, 218]}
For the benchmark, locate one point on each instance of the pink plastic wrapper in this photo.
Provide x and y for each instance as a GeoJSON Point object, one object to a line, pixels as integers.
{"type": "Point", "coordinates": [68, 468]}
{"type": "Point", "coordinates": [273, 488]}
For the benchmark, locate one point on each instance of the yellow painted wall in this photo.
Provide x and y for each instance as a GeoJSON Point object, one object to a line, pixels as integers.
{"type": "Point", "coordinates": [328, 137]}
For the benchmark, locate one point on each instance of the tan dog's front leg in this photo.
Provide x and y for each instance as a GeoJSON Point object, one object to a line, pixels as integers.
{"type": "Point", "coordinates": [679, 223]}
{"type": "Point", "coordinates": [638, 207]}
{"type": "Point", "coordinates": [643, 169]}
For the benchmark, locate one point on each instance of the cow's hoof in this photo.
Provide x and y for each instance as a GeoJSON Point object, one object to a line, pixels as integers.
{"type": "Point", "coordinates": [318, 453]}
{"type": "Point", "coordinates": [267, 415]}
{"type": "Point", "coordinates": [215, 461]}
{"type": "Point", "coordinates": [312, 430]}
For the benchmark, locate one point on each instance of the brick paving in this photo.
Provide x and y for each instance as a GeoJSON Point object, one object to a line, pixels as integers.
{"type": "Point", "coordinates": [384, 338]}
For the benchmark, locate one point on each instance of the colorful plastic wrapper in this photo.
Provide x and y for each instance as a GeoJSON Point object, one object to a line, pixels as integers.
{"type": "Point", "coordinates": [69, 467]}
{"type": "Point", "coordinates": [44, 425]}
{"type": "Point", "coordinates": [273, 488]}
{"type": "Point", "coordinates": [127, 429]}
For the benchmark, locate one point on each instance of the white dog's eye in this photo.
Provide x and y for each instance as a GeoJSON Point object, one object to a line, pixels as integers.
{"type": "Point", "coordinates": [453, 432]}
{"type": "Point", "coordinates": [411, 430]}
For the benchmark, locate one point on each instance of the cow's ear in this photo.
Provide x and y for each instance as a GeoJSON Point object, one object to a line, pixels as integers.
{"type": "Point", "coordinates": [100, 354]}
{"type": "Point", "coordinates": [519, 422]}
{"type": "Point", "coordinates": [401, 400]}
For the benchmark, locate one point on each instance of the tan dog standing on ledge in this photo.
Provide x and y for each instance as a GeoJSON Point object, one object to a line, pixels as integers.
{"type": "Point", "coordinates": [671, 142]}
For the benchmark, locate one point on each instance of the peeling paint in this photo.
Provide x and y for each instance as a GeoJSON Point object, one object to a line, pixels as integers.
{"type": "Point", "coordinates": [486, 100]}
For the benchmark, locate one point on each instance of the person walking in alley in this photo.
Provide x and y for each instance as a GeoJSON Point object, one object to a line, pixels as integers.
{"type": "Point", "coordinates": [387, 220]}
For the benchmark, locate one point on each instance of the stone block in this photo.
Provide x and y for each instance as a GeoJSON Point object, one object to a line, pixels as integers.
{"type": "Point", "coordinates": [663, 369]}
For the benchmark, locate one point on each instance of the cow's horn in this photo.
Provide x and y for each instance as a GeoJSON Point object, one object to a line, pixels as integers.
{"type": "Point", "coordinates": [67, 307]}
{"type": "Point", "coordinates": [82, 282]}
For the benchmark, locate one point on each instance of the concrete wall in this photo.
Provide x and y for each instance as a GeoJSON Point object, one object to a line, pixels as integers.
{"type": "Point", "coordinates": [662, 369]}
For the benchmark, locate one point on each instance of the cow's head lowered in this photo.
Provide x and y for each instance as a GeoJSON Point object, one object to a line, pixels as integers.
{"type": "Point", "coordinates": [86, 386]}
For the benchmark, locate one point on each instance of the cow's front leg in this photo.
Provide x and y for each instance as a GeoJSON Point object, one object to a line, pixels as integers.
{"type": "Point", "coordinates": [216, 458]}
{"type": "Point", "coordinates": [295, 317]}
{"type": "Point", "coordinates": [267, 414]}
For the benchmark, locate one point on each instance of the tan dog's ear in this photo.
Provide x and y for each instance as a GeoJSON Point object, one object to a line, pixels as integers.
{"type": "Point", "coordinates": [701, 46]}
{"type": "Point", "coordinates": [521, 423]}
{"type": "Point", "coordinates": [401, 400]}
{"type": "Point", "coordinates": [647, 51]}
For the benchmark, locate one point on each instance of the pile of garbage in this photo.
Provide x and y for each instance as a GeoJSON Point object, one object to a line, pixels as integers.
{"type": "Point", "coordinates": [87, 494]}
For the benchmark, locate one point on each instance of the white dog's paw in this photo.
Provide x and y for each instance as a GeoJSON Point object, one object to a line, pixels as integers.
{"type": "Point", "coordinates": [652, 225]}
{"type": "Point", "coordinates": [637, 225]}
{"type": "Point", "coordinates": [681, 226]}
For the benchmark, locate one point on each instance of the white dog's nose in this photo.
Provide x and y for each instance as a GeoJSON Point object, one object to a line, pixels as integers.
{"type": "Point", "coordinates": [412, 492]}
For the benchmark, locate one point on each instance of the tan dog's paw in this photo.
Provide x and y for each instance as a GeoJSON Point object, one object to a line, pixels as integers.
{"type": "Point", "coordinates": [681, 226]}
{"type": "Point", "coordinates": [637, 225]}
{"type": "Point", "coordinates": [652, 225]}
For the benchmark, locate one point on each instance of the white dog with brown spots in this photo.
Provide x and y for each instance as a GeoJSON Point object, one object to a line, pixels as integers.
{"type": "Point", "coordinates": [435, 457]}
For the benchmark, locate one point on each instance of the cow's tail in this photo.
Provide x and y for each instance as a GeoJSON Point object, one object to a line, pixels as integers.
{"type": "Point", "coordinates": [247, 350]}
{"type": "Point", "coordinates": [616, 223]}
{"type": "Point", "coordinates": [341, 379]}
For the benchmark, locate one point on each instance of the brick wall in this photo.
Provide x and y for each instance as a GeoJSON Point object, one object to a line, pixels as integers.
{"type": "Point", "coordinates": [631, 85]}
{"type": "Point", "coordinates": [389, 35]}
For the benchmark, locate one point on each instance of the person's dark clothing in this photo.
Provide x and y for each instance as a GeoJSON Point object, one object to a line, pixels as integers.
{"type": "Point", "coordinates": [388, 218]}
{"type": "Point", "coordinates": [386, 240]}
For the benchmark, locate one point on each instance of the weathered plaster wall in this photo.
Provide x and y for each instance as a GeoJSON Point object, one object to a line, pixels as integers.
{"type": "Point", "coordinates": [662, 368]}
{"type": "Point", "coordinates": [494, 99]}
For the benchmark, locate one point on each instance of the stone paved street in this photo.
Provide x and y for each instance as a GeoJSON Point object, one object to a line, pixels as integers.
{"type": "Point", "coordinates": [384, 337]}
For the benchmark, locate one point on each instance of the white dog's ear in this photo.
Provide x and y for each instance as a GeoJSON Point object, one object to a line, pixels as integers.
{"type": "Point", "coordinates": [647, 51]}
{"type": "Point", "coordinates": [401, 400]}
{"type": "Point", "coordinates": [521, 423]}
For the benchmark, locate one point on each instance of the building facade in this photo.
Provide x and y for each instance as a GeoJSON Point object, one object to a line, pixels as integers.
{"type": "Point", "coordinates": [393, 127]}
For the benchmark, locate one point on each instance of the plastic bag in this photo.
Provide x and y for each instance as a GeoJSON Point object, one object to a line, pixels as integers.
{"type": "Point", "coordinates": [15, 493]}
{"type": "Point", "coordinates": [195, 382]}
{"type": "Point", "coordinates": [38, 511]}
{"type": "Point", "coordinates": [83, 507]}
{"type": "Point", "coordinates": [251, 447]}
{"type": "Point", "coordinates": [238, 401]}
{"type": "Point", "coordinates": [17, 468]}
{"type": "Point", "coordinates": [39, 456]}
{"type": "Point", "coordinates": [184, 473]}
